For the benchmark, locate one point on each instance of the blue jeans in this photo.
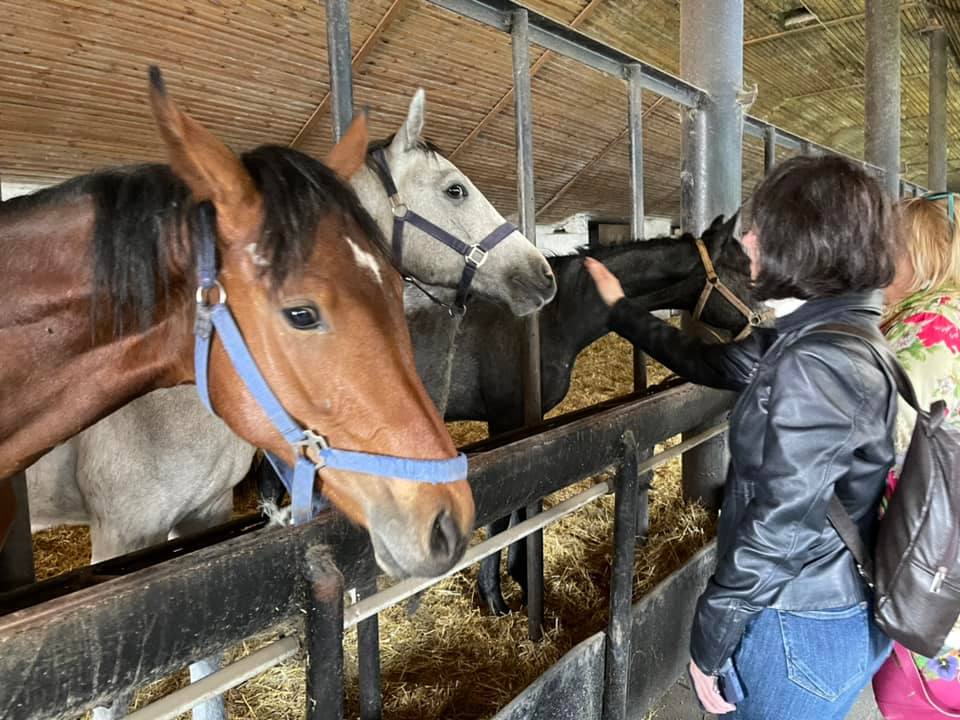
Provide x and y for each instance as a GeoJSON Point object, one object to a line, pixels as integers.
{"type": "Point", "coordinates": [808, 665]}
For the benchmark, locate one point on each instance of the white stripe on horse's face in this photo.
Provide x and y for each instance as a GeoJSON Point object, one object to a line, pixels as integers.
{"type": "Point", "coordinates": [365, 259]}
{"type": "Point", "coordinates": [258, 259]}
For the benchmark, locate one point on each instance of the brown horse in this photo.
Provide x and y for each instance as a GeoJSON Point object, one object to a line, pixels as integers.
{"type": "Point", "coordinates": [97, 307]}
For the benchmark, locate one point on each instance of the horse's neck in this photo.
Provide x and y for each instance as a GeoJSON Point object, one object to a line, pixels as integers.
{"type": "Point", "coordinates": [433, 332]}
{"type": "Point", "coordinates": [55, 377]}
{"type": "Point", "coordinates": [575, 318]}
{"type": "Point", "coordinates": [578, 317]}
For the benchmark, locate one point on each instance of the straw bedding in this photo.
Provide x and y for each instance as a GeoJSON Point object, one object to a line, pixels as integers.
{"type": "Point", "coordinates": [450, 659]}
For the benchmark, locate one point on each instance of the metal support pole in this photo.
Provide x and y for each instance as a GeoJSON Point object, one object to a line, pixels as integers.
{"type": "Point", "coordinates": [339, 57]}
{"type": "Point", "coordinates": [368, 658]}
{"type": "Point", "coordinates": [617, 665]}
{"type": "Point", "coordinates": [937, 127]}
{"type": "Point", "coordinates": [882, 75]}
{"type": "Point", "coordinates": [16, 550]}
{"type": "Point", "coordinates": [526, 203]}
{"type": "Point", "coordinates": [324, 630]}
{"type": "Point", "coordinates": [635, 119]}
{"type": "Point", "coordinates": [769, 148]}
{"type": "Point", "coordinates": [711, 57]}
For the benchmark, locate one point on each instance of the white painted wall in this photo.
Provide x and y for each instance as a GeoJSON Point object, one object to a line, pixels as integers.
{"type": "Point", "coordinates": [13, 189]}
{"type": "Point", "coordinates": [562, 238]}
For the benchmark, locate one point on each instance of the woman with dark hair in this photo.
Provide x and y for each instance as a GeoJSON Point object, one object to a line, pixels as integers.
{"type": "Point", "coordinates": [786, 612]}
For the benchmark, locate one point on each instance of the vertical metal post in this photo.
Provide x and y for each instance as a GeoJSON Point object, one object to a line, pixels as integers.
{"type": "Point", "coordinates": [368, 658]}
{"type": "Point", "coordinates": [769, 148]}
{"type": "Point", "coordinates": [902, 189]}
{"type": "Point", "coordinates": [16, 549]}
{"type": "Point", "coordinates": [711, 57]}
{"type": "Point", "coordinates": [340, 57]}
{"type": "Point", "coordinates": [526, 203]}
{"type": "Point", "coordinates": [635, 119]}
{"type": "Point", "coordinates": [937, 126]}
{"type": "Point", "coordinates": [882, 75]}
{"type": "Point", "coordinates": [324, 630]}
{"type": "Point", "coordinates": [617, 665]}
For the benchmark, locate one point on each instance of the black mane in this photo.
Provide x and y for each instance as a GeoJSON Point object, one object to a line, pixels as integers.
{"type": "Point", "coordinates": [140, 212]}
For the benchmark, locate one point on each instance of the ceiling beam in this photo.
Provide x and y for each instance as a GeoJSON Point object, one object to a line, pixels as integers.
{"type": "Point", "coordinates": [821, 25]}
{"type": "Point", "coordinates": [358, 59]}
{"type": "Point", "coordinates": [507, 97]}
{"type": "Point", "coordinates": [595, 159]}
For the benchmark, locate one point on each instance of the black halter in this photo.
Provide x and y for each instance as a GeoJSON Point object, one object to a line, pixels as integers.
{"type": "Point", "coordinates": [473, 255]}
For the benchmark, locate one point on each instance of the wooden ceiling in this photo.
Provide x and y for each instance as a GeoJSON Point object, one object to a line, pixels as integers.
{"type": "Point", "coordinates": [73, 86]}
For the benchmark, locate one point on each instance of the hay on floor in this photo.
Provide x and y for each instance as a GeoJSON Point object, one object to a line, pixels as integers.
{"type": "Point", "coordinates": [450, 659]}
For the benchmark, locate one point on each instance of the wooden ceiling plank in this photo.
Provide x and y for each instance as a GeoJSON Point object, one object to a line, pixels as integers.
{"type": "Point", "coordinates": [358, 59]}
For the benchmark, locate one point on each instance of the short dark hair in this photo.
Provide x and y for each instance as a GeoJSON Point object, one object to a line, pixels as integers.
{"type": "Point", "coordinates": [825, 227]}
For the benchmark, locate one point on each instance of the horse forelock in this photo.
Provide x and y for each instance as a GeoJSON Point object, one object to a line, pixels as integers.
{"type": "Point", "coordinates": [298, 194]}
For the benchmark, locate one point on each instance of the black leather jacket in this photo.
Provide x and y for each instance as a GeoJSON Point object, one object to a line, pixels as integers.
{"type": "Point", "coordinates": [815, 415]}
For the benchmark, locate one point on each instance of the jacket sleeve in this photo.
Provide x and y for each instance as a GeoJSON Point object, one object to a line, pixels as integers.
{"type": "Point", "coordinates": [808, 444]}
{"type": "Point", "coordinates": [728, 366]}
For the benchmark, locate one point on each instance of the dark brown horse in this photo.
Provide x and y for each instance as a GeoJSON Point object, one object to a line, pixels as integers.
{"type": "Point", "coordinates": [97, 307]}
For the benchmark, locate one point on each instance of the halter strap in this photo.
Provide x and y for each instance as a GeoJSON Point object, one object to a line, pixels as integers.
{"type": "Point", "coordinates": [216, 317]}
{"type": "Point", "coordinates": [473, 255]}
{"type": "Point", "coordinates": [714, 282]}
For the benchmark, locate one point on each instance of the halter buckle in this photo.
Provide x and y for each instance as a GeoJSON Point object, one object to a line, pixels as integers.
{"type": "Point", "coordinates": [203, 294]}
{"type": "Point", "coordinates": [397, 207]}
{"type": "Point", "coordinates": [315, 442]}
{"type": "Point", "coordinates": [755, 320]}
{"type": "Point", "coordinates": [476, 257]}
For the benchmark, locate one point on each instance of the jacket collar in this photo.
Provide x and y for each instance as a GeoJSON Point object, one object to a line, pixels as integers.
{"type": "Point", "coordinates": [819, 310]}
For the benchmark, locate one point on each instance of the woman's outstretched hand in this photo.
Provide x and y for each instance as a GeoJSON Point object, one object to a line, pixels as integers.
{"type": "Point", "coordinates": [607, 284]}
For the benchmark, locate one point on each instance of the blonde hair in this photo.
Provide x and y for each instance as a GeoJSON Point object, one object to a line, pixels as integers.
{"type": "Point", "coordinates": [931, 240]}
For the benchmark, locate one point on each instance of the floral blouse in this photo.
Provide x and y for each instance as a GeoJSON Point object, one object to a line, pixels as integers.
{"type": "Point", "coordinates": [924, 332]}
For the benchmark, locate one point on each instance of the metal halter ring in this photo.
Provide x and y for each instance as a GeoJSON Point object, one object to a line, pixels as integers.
{"type": "Point", "coordinates": [397, 207]}
{"type": "Point", "coordinates": [476, 257]}
{"type": "Point", "coordinates": [203, 294]}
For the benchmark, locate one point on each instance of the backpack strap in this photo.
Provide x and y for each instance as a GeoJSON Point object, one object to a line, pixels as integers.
{"type": "Point", "coordinates": [850, 534]}
{"type": "Point", "coordinates": [837, 514]}
{"type": "Point", "coordinates": [881, 351]}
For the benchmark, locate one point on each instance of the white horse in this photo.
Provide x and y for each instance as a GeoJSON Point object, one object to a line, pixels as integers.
{"type": "Point", "coordinates": [162, 466]}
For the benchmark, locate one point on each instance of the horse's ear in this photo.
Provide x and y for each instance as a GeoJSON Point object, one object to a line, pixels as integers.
{"type": "Point", "coordinates": [201, 160]}
{"type": "Point", "coordinates": [411, 131]}
{"type": "Point", "coordinates": [719, 232]}
{"type": "Point", "coordinates": [348, 155]}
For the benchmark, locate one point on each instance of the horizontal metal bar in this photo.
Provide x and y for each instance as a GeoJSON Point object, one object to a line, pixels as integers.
{"type": "Point", "coordinates": [756, 127]}
{"type": "Point", "coordinates": [573, 44]}
{"type": "Point", "coordinates": [408, 588]}
{"type": "Point", "coordinates": [214, 684]}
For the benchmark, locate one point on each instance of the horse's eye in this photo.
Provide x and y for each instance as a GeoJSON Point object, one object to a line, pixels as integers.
{"type": "Point", "coordinates": [304, 317]}
{"type": "Point", "coordinates": [457, 191]}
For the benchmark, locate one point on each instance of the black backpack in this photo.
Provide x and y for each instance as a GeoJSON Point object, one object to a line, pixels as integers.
{"type": "Point", "coordinates": [915, 568]}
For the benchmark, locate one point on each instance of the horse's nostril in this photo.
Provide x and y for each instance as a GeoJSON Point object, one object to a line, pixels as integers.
{"type": "Point", "coordinates": [444, 538]}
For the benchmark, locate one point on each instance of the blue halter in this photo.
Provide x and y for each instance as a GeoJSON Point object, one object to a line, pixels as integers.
{"type": "Point", "coordinates": [216, 317]}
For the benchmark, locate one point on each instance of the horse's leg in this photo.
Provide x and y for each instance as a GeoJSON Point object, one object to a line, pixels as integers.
{"type": "Point", "coordinates": [488, 579]}
{"type": "Point", "coordinates": [517, 555]}
{"type": "Point", "coordinates": [217, 513]}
